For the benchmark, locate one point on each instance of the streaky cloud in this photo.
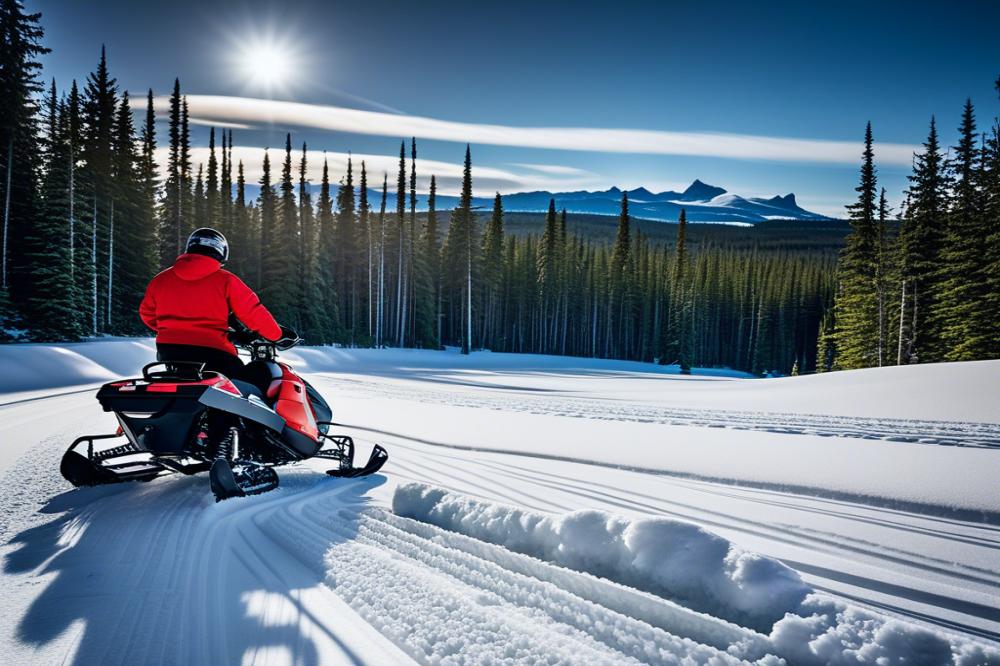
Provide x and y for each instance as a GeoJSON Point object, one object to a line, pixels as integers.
{"type": "Point", "coordinates": [261, 112]}
{"type": "Point", "coordinates": [448, 174]}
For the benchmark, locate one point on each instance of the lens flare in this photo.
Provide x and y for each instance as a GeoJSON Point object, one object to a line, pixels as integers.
{"type": "Point", "coordinates": [265, 61]}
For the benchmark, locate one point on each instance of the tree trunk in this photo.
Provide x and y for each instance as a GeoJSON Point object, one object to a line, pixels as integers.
{"type": "Point", "coordinates": [93, 266]}
{"type": "Point", "coordinates": [6, 204]}
{"type": "Point", "coordinates": [902, 323]}
{"type": "Point", "coordinates": [111, 262]}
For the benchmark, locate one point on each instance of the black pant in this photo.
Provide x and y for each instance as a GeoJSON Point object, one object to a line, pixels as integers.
{"type": "Point", "coordinates": [215, 360]}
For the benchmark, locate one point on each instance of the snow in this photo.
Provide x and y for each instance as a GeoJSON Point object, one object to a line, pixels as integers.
{"type": "Point", "coordinates": [28, 367]}
{"type": "Point", "coordinates": [534, 509]}
{"type": "Point", "coordinates": [671, 558]}
{"type": "Point", "coordinates": [683, 562]}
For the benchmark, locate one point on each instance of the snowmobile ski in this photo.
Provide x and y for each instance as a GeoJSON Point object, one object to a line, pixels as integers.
{"type": "Point", "coordinates": [374, 464]}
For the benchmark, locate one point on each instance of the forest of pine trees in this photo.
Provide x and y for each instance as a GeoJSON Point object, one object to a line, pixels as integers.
{"type": "Point", "coordinates": [89, 217]}
{"type": "Point", "coordinates": [924, 287]}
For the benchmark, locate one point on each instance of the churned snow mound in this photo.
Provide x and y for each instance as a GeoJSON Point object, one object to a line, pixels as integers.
{"type": "Point", "coordinates": [671, 558]}
{"type": "Point", "coordinates": [689, 565]}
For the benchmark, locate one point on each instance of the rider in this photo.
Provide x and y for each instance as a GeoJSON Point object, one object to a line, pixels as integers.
{"type": "Point", "coordinates": [188, 306]}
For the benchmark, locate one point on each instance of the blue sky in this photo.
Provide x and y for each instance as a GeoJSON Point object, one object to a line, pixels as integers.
{"type": "Point", "coordinates": [621, 93]}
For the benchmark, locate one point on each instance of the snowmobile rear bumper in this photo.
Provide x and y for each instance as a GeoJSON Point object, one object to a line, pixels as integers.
{"type": "Point", "coordinates": [85, 467]}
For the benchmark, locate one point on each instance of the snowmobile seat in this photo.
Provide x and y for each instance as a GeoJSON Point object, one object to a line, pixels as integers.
{"type": "Point", "coordinates": [246, 388]}
{"type": "Point", "coordinates": [260, 374]}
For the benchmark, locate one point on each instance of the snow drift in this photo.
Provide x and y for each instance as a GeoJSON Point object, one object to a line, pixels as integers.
{"type": "Point", "coordinates": [673, 559]}
{"type": "Point", "coordinates": [689, 565]}
{"type": "Point", "coordinates": [29, 367]}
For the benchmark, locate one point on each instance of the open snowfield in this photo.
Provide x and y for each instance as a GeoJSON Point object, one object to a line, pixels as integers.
{"type": "Point", "coordinates": [533, 510]}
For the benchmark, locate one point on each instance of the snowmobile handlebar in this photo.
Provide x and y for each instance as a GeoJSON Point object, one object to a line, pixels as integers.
{"type": "Point", "coordinates": [259, 346]}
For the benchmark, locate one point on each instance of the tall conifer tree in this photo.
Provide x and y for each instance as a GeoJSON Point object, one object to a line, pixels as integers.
{"type": "Point", "coordinates": [857, 316]}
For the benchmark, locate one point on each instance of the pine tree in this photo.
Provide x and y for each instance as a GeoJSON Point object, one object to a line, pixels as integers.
{"type": "Point", "coordinates": [856, 304]}
{"type": "Point", "coordinates": [548, 268]}
{"type": "Point", "coordinates": [199, 200]}
{"type": "Point", "coordinates": [225, 222]}
{"type": "Point", "coordinates": [171, 212]}
{"type": "Point", "coordinates": [314, 321]}
{"type": "Point", "coordinates": [329, 262]}
{"type": "Point", "coordinates": [618, 282]}
{"type": "Point", "coordinates": [985, 319]}
{"type": "Point", "coordinates": [146, 251]}
{"type": "Point", "coordinates": [411, 248]}
{"type": "Point", "coordinates": [920, 250]}
{"type": "Point", "coordinates": [677, 349]}
{"type": "Point", "coordinates": [213, 206]}
{"type": "Point", "coordinates": [81, 268]}
{"type": "Point", "coordinates": [50, 309]}
{"type": "Point", "coordinates": [272, 259]}
{"type": "Point", "coordinates": [131, 244]}
{"type": "Point", "coordinates": [186, 219]}
{"type": "Point", "coordinates": [963, 283]}
{"type": "Point", "coordinates": [457, 259]}
{"type": "Point", "coordinates": [492, 274]}
{"type": "Point", "coordinates": [883, 273]}
{"type": "Point", "coordinates": [280, 253]}
{"type": "Point", "coordinates": [20, 48]}
{"type": "Point", "coordinates": [380, 309]}
{"type": "Point", "coordinates": [347, 255]}
{"type": "Point", "coordinates": [99, 105]}
{"type": "Point", "coordinates": [400, 237]}
{"type": "Point", "coordinates": [244, 254]}
{"type": "Point", "coordinates": [365, 249]}
{"type": "Point", "coordinates": [429, 290]}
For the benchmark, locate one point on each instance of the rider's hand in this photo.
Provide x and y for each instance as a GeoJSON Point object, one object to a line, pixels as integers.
{"type": "Point", "coordinates": [241, 338]}
{"type": "Point", "coordinates": [288, 335]}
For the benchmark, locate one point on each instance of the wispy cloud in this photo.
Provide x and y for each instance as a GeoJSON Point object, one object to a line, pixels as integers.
{"type": "Point", "coordinates": [486, 179]}
{"type": "Point", "coordinates": [262, 112]}
{"type": "Point", "coordinates": [554, 169]}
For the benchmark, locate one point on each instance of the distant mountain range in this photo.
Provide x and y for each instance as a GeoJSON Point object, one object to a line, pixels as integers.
{"type": "Point", "coordinates": [703, 203]}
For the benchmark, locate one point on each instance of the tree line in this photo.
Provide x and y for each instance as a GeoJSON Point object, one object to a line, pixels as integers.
{"type": "Point", "coordinates": [89, 217]}
{"type": "Point", "coordinates": [926, 288]}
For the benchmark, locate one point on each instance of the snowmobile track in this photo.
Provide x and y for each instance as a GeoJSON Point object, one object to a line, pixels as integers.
{"type": "Point", "coordinates": [912, 431]}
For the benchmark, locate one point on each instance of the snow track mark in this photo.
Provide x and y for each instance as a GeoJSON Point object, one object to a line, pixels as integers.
{"type": "Point", "coordinates": [912, 431]}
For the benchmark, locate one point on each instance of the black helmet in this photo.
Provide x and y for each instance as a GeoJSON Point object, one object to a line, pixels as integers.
{"type": "Point", "coordinates": [208, 242]}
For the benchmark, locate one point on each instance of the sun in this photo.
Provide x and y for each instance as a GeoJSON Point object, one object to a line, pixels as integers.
{"type": "Point", "coordinates": [267, 65]}
{"type": "Point", "coordinates": [265, 61]}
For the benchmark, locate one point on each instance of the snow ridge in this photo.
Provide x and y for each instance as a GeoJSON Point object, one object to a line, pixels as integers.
{"type": "Point", "coordinates": [671, 558]}
{"type": "Point", "coordinates": [704, 571]}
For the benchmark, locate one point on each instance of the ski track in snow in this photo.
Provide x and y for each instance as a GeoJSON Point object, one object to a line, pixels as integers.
{"type": "Point", "coordinates": [914, 431]}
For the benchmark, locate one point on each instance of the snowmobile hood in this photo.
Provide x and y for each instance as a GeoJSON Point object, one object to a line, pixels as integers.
{"type": "Point", "coordinates": [195, 266]}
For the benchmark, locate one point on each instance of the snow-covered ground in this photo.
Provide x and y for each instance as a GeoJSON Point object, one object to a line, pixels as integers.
{"type": "Point", "coordinates": [533, 509]}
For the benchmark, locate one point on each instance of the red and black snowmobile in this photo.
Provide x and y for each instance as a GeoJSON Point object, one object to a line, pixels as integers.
{"type": "Point", "coordinates": [179, 417]}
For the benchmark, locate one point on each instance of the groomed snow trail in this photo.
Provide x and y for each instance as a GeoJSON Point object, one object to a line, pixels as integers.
{"type": "Point", "coordinates": [321, 571]}
{"type": "Point", "coordinates": [914, 431]}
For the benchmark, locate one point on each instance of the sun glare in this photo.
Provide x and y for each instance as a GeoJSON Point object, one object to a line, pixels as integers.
{"type": "Point", "coordinates": [267, 65]}
{"type": "Point", "coordinates": [266, 62]}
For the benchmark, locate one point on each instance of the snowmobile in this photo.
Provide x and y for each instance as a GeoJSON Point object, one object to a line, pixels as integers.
{"type": "Point", "coordinates": [170, 421]}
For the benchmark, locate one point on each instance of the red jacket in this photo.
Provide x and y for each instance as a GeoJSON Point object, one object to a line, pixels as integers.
{"type": "Point", "coordinates": [189, 304]}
